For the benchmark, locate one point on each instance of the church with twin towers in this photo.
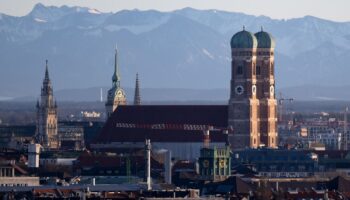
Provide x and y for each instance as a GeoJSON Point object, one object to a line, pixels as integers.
{"type": "Point", "coordinates": [250, 117]}
{"type": "Point", "coordinates": [252, 105]}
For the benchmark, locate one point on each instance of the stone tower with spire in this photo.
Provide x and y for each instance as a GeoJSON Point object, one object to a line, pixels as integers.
{"type": "Point", "coordinates": [116, 95]}
{"type": "Point", "coordinates": [46, 127]}
{"type": "Point", "coordinates": [137, 97]}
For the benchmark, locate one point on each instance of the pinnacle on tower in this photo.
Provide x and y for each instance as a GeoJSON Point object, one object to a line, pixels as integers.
{"type": "Point", "coordinates": [116, 77]}
{"type": "Point", "coordinates": [47, 71]}
{"type": "Point", "coordinates": [137, 97]}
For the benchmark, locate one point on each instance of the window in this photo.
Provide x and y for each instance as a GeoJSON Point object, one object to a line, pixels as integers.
{"type": "Point", "coordinates": [271, 69]}
{"type": "Point", "coordinates": [254, 69]}
{"type": "Point", "coordinates": [239, 70]}
{"type": "Point", "coordinates": [258, 70]}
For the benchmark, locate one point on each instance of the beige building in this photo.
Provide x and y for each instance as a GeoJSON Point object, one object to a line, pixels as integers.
{"type": "Point", "coordinates": [252, 104]}
{"type": "Point", "coordinates": [13, 175]}
{"type": "Point", "coordinates": [46, 127]}
{"type": "Point", "coordinates": [116, 95]}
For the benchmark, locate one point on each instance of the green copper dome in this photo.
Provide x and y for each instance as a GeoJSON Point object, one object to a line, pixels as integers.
{"type": "Point", "coordinates": [243, 39]}
{"type": "Point", "coordinates": [265, 40]}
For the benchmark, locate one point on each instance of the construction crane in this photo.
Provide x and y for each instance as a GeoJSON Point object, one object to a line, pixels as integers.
{"type": "Point", "coordinates": [281, 101]}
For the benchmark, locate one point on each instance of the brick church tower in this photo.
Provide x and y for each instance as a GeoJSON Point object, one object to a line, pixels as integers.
{"type": "Point", "coordinates": [266, 89]}
{"type": "Point", "coordinates": [252, 104]}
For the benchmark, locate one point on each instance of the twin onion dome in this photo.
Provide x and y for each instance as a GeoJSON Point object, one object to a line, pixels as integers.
{"type": "Point", "coordinates": [246, 39]}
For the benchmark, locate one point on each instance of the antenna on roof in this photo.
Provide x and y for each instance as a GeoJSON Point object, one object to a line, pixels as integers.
{"type": "Point", "coordinates": [101, 97]}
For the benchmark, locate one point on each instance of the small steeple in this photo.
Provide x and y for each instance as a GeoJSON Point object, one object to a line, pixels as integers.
{"type": "Point", "coordinates": [137, 97]}
{"type": "Point", "coordinates": [47, 71]}
{"type": "Point", "coordinates": [116, 77]}
{"type": "Point", "coordinates": [243, 28]}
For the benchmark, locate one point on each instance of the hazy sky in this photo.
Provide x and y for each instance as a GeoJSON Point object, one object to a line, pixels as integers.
{"type": "Point", "coordinates": [337, 10]}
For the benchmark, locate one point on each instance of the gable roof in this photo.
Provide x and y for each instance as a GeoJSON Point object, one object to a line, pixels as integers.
{"type": "Point", "coordinates": [164, 123]}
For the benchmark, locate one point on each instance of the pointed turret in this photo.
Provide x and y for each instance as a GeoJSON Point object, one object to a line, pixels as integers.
{"type": "Point", "coordinates": [46, 88]}
{"type": "Point", "coordinates": [116, 76]}
{"type": "Point", "coordinates": [137, 97]}
{"type": "Point", "coordinates": [47, 78]}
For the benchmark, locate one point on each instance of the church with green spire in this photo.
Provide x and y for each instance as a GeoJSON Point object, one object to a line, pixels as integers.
{"type": "Point", "coordinates": [116, 95]}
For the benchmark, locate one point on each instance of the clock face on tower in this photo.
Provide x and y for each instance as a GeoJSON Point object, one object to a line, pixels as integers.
{"type": "Point", "coordinates": [222, 163]}
{"type": "Point", "coordinates": [239, 89]}
{"type": "Point", "coordinates": [119, 93]}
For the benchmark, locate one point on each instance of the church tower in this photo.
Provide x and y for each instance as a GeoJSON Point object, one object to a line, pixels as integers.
{"type": "Point", "coordinates": [137, 96]}
{"type": "Point", "coordinates": [243, 103]}
{"type": "Point", "coordinates": [266, 89]}
{"type": "Point", "coordinates": [46, 127]}
{"type": "Point", "coordinates": [116, 95]}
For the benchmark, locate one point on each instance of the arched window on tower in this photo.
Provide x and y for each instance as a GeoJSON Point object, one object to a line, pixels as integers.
{"type": "Point", "coordinates": [254, 69]}
{"type": "Point", "coordinates": [271, 69]}
{"type": "Point", "coordinates": [258, 70]}
{"type": "Point", "coordinates": [239, 70]}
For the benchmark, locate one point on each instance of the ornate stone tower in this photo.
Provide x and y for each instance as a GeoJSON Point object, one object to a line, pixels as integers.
{"type": "Point", "coordinates": [243, 103]}
{"type": "Point", "coordinates": [137, 96]}
{"type": "Point", "coordinates": [46, 127]}
{"type": "Point", "coordinates": [116, 95]}
{"type": "Point", "coordinates": [266, 89]}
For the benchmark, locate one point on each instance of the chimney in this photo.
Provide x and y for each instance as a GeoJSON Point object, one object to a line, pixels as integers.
{"type": "Point", "coordinates": [167, 166]}
{"type": "Point", "coordinates": [206, 137]}
{"type": "Point", "coordinates": [33, 155]}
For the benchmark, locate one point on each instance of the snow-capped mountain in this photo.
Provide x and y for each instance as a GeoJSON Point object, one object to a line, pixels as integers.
{"type": "Point", "coordinates": [186, 48]}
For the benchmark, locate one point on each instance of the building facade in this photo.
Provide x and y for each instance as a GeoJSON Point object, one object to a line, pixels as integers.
{"type": "Point", "coordinates": [214, 163]}
{"type": "Point", "coordinates": [116, 95]}
{"type": "Point", "coordinates": [46, 127]}
{"type": "Point", "coordinates": [252, 103]}
{"type": "Point", "coordinates": [71, 137]}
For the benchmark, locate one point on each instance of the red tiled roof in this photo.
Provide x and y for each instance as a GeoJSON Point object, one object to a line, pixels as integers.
{"type": "Point", "coordinates": [174, 116]}
{"type": "Point", "coordinates": [215, 115]}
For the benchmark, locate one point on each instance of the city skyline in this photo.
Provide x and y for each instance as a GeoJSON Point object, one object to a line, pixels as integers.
{"type": "Point", "coordinates": [335, 10]}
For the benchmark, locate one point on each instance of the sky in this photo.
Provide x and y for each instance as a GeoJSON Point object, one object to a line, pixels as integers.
{"type": "Point", "coordinates": [335, 10]}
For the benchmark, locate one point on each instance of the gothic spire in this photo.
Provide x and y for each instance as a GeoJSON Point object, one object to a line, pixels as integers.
{"type": "Point", "coordinates": [116, 76]}
{"type": "Point", "coordinates": [46, 88]}
{"type": "Point", "coordinates": [47, 78]}
{"type": "Point", "coordinates": [137, 97]}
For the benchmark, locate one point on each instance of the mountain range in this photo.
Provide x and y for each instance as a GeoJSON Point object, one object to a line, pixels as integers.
{"type": "Point", "coordinates": [186, 48]}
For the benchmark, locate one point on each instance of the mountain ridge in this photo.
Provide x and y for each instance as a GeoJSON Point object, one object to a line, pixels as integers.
{"type": "Point", "coordinates": [185, 48]}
